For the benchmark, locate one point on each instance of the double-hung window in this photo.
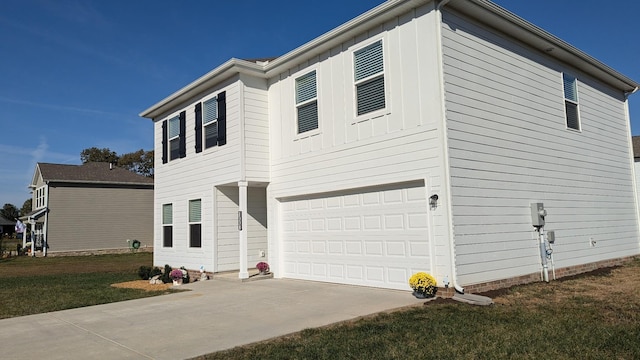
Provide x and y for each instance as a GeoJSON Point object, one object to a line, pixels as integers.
{"type": "Point", "coordinates": [210, 122]}
{"type": "Point", "coordinates": [167, 225]}
{"type": "Point", "coordinates": [174, 138]}
{"type": "Point", "coordinates": [40, 201]}
{"type": "Point", "coordinates": [571, 101]}
{"type": "Point", "coordinates": [307, 102]}
{"type": "Point", "coordinates": [195, 223]}
{"type": "Point", "coordinates": [369, 78]}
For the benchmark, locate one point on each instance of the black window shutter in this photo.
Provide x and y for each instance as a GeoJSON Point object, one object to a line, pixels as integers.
{"type": "Point", "coordinates": [183, 133]}
{"type": "Point", "coordinates": [164, 142]}
{"type": "Point", "coordinates": [222, 118]}
{"type": "Point", "coordinates": [198, 128]}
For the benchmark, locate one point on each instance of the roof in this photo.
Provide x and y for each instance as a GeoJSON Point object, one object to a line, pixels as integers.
{"type": "Point", "coordinates": [483, 10]}
{"type": "Point", "coordinates": [91, 173]}
{"type": "Point", "coordinates": [636, 146]}
{"type": "Point", "coordinates": [6, 222]}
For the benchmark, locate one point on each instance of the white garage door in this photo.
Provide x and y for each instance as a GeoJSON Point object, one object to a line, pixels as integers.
{"type": "Point", "coordinates": [373, 237]}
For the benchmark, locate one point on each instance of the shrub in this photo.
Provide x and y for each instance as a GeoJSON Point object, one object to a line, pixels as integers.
{"type": "Point", "coordinates": [144, 272]}
{"type": "Point", "coordinates": [155, 271]}
{"type": "Point", "coordinates": [166, 278]}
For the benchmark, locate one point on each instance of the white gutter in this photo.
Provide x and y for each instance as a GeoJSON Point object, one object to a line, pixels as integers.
{"type": "Point", "coordinates": [445, 148]}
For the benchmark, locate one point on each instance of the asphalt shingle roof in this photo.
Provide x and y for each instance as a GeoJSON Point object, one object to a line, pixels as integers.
{"type": "Point", "coordinates": [91, 172]}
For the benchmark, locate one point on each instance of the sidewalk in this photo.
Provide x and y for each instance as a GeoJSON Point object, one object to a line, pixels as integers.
{"type": "Point", "coordinates": [215, 315]}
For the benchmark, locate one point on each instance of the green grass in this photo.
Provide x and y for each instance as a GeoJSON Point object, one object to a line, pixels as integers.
{"type": "Point", "coordinates": [36, 285]}
{"type": "Point", "coordinates": [593, 316]}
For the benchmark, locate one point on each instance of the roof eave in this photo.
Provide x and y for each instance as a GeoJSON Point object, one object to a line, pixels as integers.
{"type": "Point", "coordinates": [517, 27]}
{"type": "Point", "coordinates": [229, 68]}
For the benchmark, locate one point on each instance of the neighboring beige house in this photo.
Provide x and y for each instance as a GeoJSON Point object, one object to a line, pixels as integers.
{"type": "Point", "coordinates": [95, 206]}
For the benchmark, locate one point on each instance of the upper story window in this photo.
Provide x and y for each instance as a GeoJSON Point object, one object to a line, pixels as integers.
{"type": "Point", "coordinates": [174, 138]}
{"type": "Point", "coordinates": [571, 101]}
{"type": "Point", "coordinates": [195, 223]}
{"type": "Point", "coordinates": [167, 225]}
{"type": "Point", "coordinates": [40, 200]}
{"type": "Point", "coordinates": [210, 122]}
{"type": "Point", "coordinates": [369, 78]}
{"type": "Point", "coordinates": [307, 102]}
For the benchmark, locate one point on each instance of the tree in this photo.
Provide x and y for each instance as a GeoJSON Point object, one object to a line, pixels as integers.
{"type": "Point", "coordinates": [26, 207]}
{"type": "Point", "coordinates": [140, 162]}
{"type": "Point", "coordinates": [99, 155]}
{"type": "Point", "coordinates": [9, 212]}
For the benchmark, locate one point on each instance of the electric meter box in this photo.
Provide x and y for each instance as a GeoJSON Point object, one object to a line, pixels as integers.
{"type": "Point", "coordinates": [551, 236]}
{"type": "Point", "coordinates": [537, 214]}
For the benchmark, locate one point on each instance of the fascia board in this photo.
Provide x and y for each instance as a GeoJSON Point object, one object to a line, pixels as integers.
{"type": "Point", "coordinates": [507, 22]}
{"type": "Point", "coordinates": [224, 71]}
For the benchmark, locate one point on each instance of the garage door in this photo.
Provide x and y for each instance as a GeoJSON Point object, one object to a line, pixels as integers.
{"type": "Point", "coordinates": [373, 236]}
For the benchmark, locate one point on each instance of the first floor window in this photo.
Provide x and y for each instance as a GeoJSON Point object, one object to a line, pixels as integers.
{"type": "Point", "coordinates": [195, 223]}
{"type": "Point", "coordinates": [167, 225]}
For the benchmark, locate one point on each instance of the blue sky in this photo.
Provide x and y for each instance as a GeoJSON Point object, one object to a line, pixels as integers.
{"type": "Point", "coordinates": [76, 73]}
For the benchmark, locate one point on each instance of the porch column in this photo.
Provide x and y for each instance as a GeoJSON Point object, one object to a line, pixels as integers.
{"type": "Point", "coordinates": [242, 228]}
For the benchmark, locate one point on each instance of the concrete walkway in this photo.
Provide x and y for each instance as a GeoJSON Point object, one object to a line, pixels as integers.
{"type": "Point", "coordinates": [213, 316]}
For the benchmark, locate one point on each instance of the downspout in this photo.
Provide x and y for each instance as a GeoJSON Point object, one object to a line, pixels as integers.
{"type": "Point", "coordinates": [445, 146]}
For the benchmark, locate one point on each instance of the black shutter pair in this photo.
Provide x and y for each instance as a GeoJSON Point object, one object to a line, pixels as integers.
{"type": "Point", "coordinates": [222, 122]}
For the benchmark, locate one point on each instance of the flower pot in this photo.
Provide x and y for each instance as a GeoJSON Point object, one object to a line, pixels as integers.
{"type": "Point", "coordinates": [420, 295]}
{"type": "Point", "coordinates": [177, 282]}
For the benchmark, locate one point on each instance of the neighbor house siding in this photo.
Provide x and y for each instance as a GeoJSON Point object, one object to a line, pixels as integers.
{"type": "Point", "coordinates": [401, 143]}
{"type": "Point", "coordinates": [92, 217]}
{"type": "Point", "coordinates": [204, 170]}
{"type": "Point", "coordinates": [508, 146]}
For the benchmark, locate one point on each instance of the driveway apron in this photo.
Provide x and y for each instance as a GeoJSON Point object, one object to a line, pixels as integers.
{"type": "Point", "coordinates": [214, 315]}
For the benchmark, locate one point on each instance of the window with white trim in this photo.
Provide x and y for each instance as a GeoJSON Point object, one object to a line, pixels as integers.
{"type": "Point", "coordinates": [167, 225]}
{"type": "Point", "coordinates": [572, 114]}
{"type": "Point", "coordinates": [40, 201]}
{"type": "Point", "coordinates": [174, 138]}
{"type": "Point", "coordinates": [210, 122]}
{"type": "Point", "coordinates": [195, 223]}
{"type": "Point", "coordinates": [307, 102]}
{"type": "Point", "coordinates": [369, 78]}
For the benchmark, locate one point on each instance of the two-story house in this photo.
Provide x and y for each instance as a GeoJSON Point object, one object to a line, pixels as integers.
{"type": "Point", "coordinates": [91, 208]}
{"type": "Point", "coordinates": [415, 137]}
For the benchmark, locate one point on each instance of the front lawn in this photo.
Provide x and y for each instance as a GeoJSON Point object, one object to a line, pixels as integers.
{"type": "Point", "coordinates": [592, 316]}
{"type": "Point", "coordinates": [36, 285]}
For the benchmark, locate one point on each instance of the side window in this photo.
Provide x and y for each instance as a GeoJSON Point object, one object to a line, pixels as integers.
{"type": "Point", "coordinates": [174, 138]}
{"type": "Point", "coordinates": [167, 225]}
{"type": "Point", "coordinates": [571, 102]}
{"type": "Point", "coordinates": [307, 102]}
{"type": "Point", "coordinates": [210, 122]}
{"type": "Point", "coordinates": [369, 78]}
{"type": "Point", "coordinates": [195, 223]}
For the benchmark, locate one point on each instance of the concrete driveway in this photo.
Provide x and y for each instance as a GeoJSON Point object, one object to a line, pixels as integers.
{"type": "Point", "coordinates": [213, 316]}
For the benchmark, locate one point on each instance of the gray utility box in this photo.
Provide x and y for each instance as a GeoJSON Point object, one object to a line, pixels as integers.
{"type": "Point", "coordinates": [551, 236]}
{"type": "Point", "coordinates": [537, 214]}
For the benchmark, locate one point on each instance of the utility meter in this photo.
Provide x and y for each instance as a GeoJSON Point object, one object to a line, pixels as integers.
{"type": "Point", "coordinates": [537, 214]}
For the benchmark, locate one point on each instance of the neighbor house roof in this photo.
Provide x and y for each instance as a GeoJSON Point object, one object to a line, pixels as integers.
{"type": "Point", "coordinates": [483, 10]}
{"type": "Point", "coordinates": [91, 173]}
{"type": "Point", "coordinates": [6, 222]}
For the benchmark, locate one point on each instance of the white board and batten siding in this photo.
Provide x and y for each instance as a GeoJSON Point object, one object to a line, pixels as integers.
{"type": "Point", "coordinates": [322, 181]}
{"type": "Point", "coordinates": [195, 177]}
{"type": "Point", "coordinates": [509, 147]}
